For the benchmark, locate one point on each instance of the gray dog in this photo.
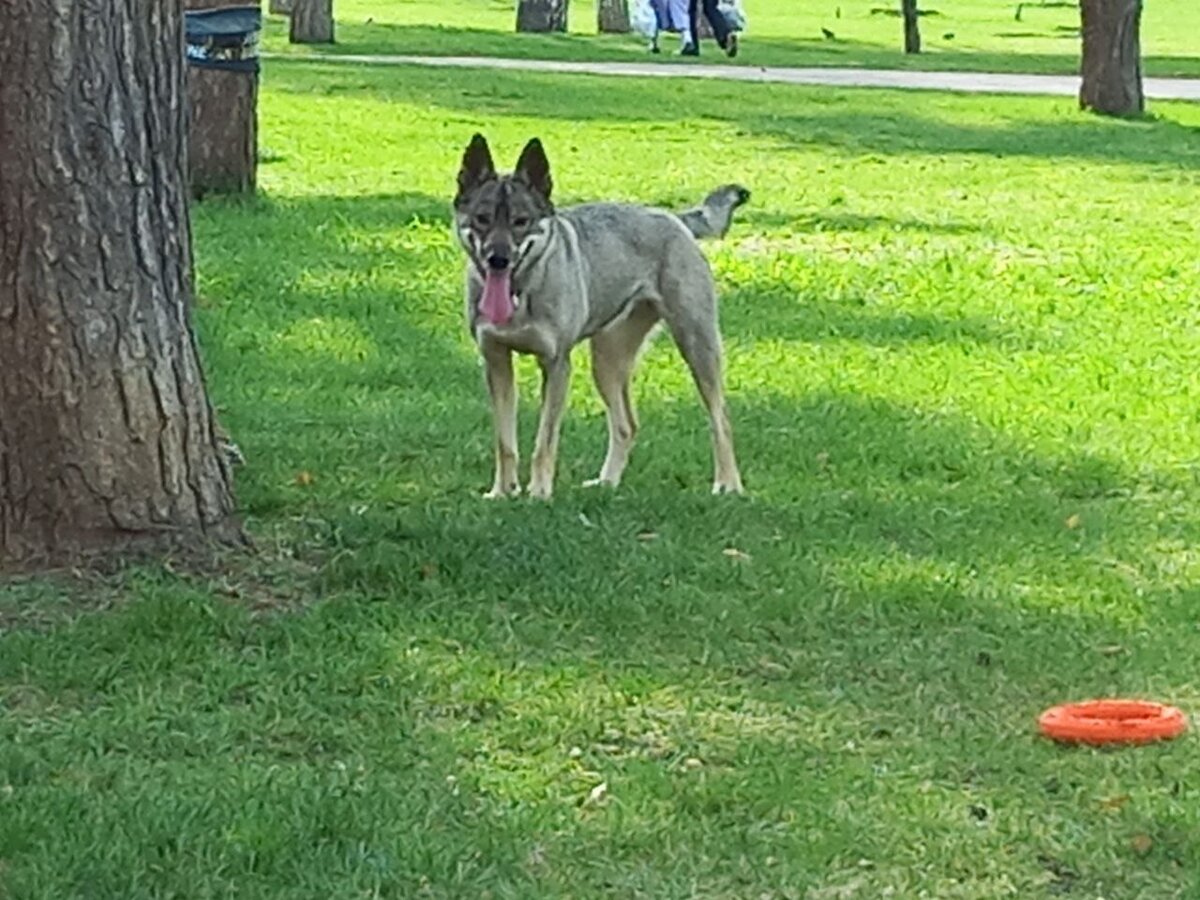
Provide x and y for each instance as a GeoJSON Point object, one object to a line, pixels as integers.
{"type": "Point", "coordinates": [540, 281]}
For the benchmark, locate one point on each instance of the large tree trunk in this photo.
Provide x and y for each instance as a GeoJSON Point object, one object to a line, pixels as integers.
{"type": "Point", "coordinates": [223, 126]}
{"type": "Point", "coordinates": [312, 22]}
{"type": "Point", "coordinates": [542, 15]}
{"type": "Point", "coordinates": [1112, 58]}
{"type": "Point", "coordinates": [912, 26]}
{"type": "Point", "coordinates": [106, 435]}
{"type": "Point", "coordinates": [612, 16]}
{"type": "Point", "coordinates": [279, 7]}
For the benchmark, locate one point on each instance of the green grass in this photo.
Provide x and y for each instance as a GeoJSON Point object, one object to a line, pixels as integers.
{"type": "Point", "coordinates": [962, 353]}
{"type": "Point", "coordinates": [970, 35]}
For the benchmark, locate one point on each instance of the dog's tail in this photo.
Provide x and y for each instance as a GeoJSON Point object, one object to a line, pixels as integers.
{"type": "Point", "coordinates": [712, 218]}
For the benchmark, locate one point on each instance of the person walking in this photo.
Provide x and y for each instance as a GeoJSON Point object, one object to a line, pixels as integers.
{"type": "Point", "coordinates": [726, 37]}
{"type": "Point", "coordinates": [652, 17]}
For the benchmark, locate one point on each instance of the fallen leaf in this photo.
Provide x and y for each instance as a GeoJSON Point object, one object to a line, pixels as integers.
{"type": "Point", "coordinates": [429, 570]}
{"type": "Point", "coordinates": [585, 521]}
{"type": "Point", "coordinates": [692, 763]}
{"type": "Point", "coordinates": [736, 555]}
{"type": "Point", "coordinates": [598, 794]}
{"type": "Point", "coordinates": [304, 478]}
{"type": "Point", "coordinates": [1141, 844]}
{"type": "Point", "coordinates": [1073, 521]}
{"type": "Point", "coordinates": [1112, 650]}
{"type": "Point", "coordinates": [647, 536]}
{"type": "Point", "coordinates": [1114, 803]}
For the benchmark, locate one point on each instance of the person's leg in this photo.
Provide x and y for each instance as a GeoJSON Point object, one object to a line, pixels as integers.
{"type": "Point", "coordinates": [720, 27]}
{"type": "Point", "coordinates": [685, 15]}
{"type": "Point", "coordinates": [692, 44]}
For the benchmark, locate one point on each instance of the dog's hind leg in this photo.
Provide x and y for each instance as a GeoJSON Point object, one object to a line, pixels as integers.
{"type": "Point", "coordinates": [502, 388]}
{"type": "Point", "coordinates": [614, 354]}
{"type": "Point", "coordinates": [556, 380]}
{"type": "Point", "coordinates": [693, 325]}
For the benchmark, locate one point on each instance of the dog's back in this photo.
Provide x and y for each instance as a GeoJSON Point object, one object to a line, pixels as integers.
{"type": "Point", "coordinates": [626, 253]}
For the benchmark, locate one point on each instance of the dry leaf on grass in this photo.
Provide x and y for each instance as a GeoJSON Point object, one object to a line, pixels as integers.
{"type": "Point", "coordinates": [597, 795]}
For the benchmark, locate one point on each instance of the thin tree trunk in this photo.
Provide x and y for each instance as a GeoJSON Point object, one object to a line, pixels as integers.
{"type": "Point", "coordinates": [279, 7]}
{"type": "Point", "coordinates": [312, 22]}
{"type": "Point", "coordinates": [612, 16]}
{"type": "Point", "coordinates": [542, 15]}
{"type": "Point", "coordinates": [106, 435]}
{"type": "Point", "coordinates": [223, 126]}
{"type": "Point", "coordinates": [912, 26]}
{"type": "Point", "coordinates": [1112, 58]}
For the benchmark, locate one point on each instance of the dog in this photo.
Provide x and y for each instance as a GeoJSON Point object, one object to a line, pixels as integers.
{"type": "Point", "coordinates": [540, 281]}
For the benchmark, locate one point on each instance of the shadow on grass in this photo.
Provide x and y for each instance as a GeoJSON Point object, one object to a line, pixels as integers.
{"type": "Point", "coordinates": [381, 38]}
{"type": "Point", "coordinates": [883, 545]}
{"type": "Point", "coordinates": [896, 599]}
{"type": "Point", "coordinates": [405, 407]}
{"type": "Point", "coordinates": [1150, 142]}
{"type": "Point", "coordinates": [832, 119]}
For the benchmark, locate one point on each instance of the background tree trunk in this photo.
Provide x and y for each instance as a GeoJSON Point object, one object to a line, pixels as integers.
{"type": "Point", "coordinates": [106, 434]}
{"type": "Point", "coordinates": [542, 15]}
{"type": "Point", "coordinates": [279, 7]}
{"type": "Point", "coordinates": [612, 16]}
{"type": "Point", "coordinates": [223, 126]}
{"type": "Point", "coordinates": [1112, 57]}
{"type": "Point", "coordinates": [312, 22]}
{"type": "Point", "coordinates": [912, 26]}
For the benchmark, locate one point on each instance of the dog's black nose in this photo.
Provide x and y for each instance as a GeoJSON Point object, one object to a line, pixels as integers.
{"type": "Point", "coordinates": [498, 261]}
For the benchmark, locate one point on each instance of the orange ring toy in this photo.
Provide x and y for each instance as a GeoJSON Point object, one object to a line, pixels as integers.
{"type": "Point", "coordinates": [1112, 722]}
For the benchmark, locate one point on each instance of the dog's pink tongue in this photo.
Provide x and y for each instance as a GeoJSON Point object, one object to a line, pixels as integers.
{"type": "Point", "coordinates": [497, 303]}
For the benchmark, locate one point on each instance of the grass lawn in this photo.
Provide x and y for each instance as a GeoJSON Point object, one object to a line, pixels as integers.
{"type": "Point", "coordinates": [963, 347]}
{"type": "Point", "coordinates": [971, 35]}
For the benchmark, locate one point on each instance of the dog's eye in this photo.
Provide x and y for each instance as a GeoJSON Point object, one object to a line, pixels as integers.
{"type": "Point", "coordinates": [520, 222]}
{"type": "Point", "coordinates": [483, 221]}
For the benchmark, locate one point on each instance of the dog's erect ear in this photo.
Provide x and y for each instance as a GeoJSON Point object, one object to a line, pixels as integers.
{"type": "Point", "coordinates": [534, 169]}
{"type": "Point", "coordinates": [477, 165]}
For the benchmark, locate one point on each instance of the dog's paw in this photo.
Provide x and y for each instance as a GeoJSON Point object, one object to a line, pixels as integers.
{"type": "Point", "coordinates": [499, 493]}
{"type": "Point", "coordinates": [727, 487]}
{"type": "Point", "coordinates": [541, 491]}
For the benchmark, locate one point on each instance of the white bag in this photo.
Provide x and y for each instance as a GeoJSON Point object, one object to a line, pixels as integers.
{"type": "Point", "coordinates": [735, 15]}
{"type": "Point", "coordinates": [643, 18]}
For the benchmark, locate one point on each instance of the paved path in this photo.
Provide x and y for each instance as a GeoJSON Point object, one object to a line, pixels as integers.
{"type": "Point", "coordinates": [967, 82]}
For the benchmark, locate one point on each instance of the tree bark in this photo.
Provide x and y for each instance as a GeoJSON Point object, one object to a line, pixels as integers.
{"type": "Point", "coordinates": [312, 22]}
{"type": "Point", "coordinates": [279, 7]}
{"type": "Point", "coordinates": [542, 15]}
{"type": "Point", "coordinates": [912, 26]}
{"type": "Point", "coordinates": [223, 126]}
{"type": "Point", "coordinates": [1112, 58]}
{"type": "Point", "coordinates": [612, 17]}
{"type": "Point", "coordinates": [107, 439]}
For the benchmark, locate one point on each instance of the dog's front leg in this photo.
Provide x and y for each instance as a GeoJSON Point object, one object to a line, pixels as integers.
{"type": "Point", "coordinates": [556, 381]}
{"type": "Point", "coordinates": [502, 387]}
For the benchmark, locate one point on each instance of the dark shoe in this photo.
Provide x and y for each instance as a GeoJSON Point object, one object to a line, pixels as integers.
{"type": "Point", "coordinates": [731, 45]}
{"type": "Point", "coordinates": [690, 50]}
